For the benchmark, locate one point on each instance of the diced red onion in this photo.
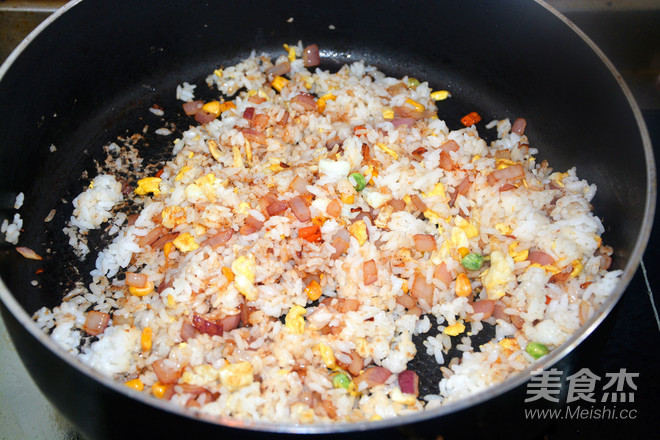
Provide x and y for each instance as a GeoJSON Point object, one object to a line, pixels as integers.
{"type": "Point", "coordinates": [441, 273]}
{"type": "Point", "coordinates": [345, 305]}
{"type": "Point", "coordinates": [424, 242]}
{"type": "Point", "coordinates": [398, 205]}
{"type": "Point", "coordinates": [541, 258]}
{"type": "Point", "coordinates": [356, 365]}
{"type": "Point", "coordinates": [204, 117]}
{"type": "Point", "coordinates": [519, 126]}
{"type": "Point", "coordinates": [256, 99]}
{"type": "Point", "coordinates": [253, 222]}
{"type": "Point", "coordinates": [136, 279]}
{"type": "Point", "coordinates": [192, 107]}
{"type": "Point", "coordinates": [299, 184]}
{"type": "Point", "coordinates": [498, 313]}
{"type": "Point", "coordinates": [450, 146]}
{"type": "Point", "coordinates": [445, 161]}
{"type": "Point", "coordinates": [485, 306]}
{"type": "Point", "coordinates": [230, 322]}
{"type": "Point", "coordinates": [160, 242]}
{"type": "Point", "coordinates": [311, 56]}
{"type": "Point", "coordinates": [406, 113]}
{"type": "Point", "coordinates": [509, 174]}
{"type": "Point", "coordinates": [260, 121]}
{"type": "Point", "coordinates": [406, 301]}
{"type": "Point", "coordinates": [421, 206]}
{"type": "Point", "coordinates": [369, 272]}
{"type": "Point", "coordinates": [422, 290]}
{"type": "Point", "coordinates": [278, 69]}
{"type": "Point", "coordinates": [300, 209]}
{"type": "Point", "coordinates": [96, 322]}
{"type": "Point", "coordinates": [409, 382]}
{"type": "Point", "coordinates": [166, 370]}
{"type": "Point", "coordinates": [284, 119]}
{"type": "Point", "coordinates": [408, 122]}
{"type": "Point", "coordinates": [254, 136]}
{"type": "Point", "coordinates": [248, 113]}
{"type": "Point", "coordinates": [373, 376]}
{"type": "Point", "coordinates": [517, 321]}
{"type": "Point", "coordinates": [246, 230]}
{"type": "Point", "coordinates": [340, 246]}
{"type": "Point", "coordinates": [187, 331]}
{"type": "Point", "coordinates": [277, 207]}
{"type": "Point", "coordinates": [305, 100]}
{"type": "Point", "coordinates": [334, 208]}
{"type": "Point", "coordinates": [397, 88]}
{"type": "Point", "coordinates": [218, 239]}
{"type": "Point", "coordinates": [208, 327]}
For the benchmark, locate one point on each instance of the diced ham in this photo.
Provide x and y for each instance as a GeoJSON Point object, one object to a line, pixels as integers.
{"type": "Point", "coordinates": [96, 322]}
{"type": "Point", "coordinates": [373, 376]}
{"type": "Point", "coordinates": [167, 371]}
{"type": "Point", "coordinates": [409, 382]}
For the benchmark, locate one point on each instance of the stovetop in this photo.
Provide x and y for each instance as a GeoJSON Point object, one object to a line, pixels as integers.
{"type": "Point", "coordinates": [629, 34]}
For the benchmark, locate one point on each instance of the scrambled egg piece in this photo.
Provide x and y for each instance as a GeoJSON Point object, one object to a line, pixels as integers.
{"type": "Point", "coordinates": [244, 269]}
{"type": "Point", "coordinates": [185, 242]}
{"type": "Point", "coordinates": [407, 399]}
{"type": "Point", "coordinates": [327, 355]}
{"type": "Point", "coordinates": [469, 228]}
{"type": "Point", "coordinates": [438, 190]}
{"type": "Point", "coordinates": [509, 345]}
{"type": "Point", "coordinates": [388, 150]}
{"type": "Point", "coordinates": [201, 375]}
{"type": "Point", "coordinates": [455, 329]}
{"type": "Point", "coordinates": [577, 268]}
{"type": "Point", "coordinates": [238, 375]}
{"type": "Point", "coordinates": [503, 229]}
{"type": "Point", "coordinates": [181, 173]}
{"type": "Point", "coordinates": [294, 320]}
{"type": "Point", "coordinates": [359, 231]}
{"type": "Point", "coordinates": [517, 255]}
{"type": "Point", "coordinates": [498, 275]}
{"type": "Point", "coordinates": [173, 216]}
{"type": "Point", "coordinates": [243, 208]}
{"type": "Point", "coordinates": [148, 185]}
{"type": "Point", "coordinates": [459, 239]}
{"type": "Point", "coordinates": [375, 198]}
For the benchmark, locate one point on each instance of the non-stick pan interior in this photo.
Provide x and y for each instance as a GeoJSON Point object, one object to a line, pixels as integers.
{"type": "Point", "coordinates": [91, 76]}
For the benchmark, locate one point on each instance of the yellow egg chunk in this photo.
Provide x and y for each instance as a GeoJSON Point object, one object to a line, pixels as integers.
{"type": "Point", "coordinates": [148, 185]}
{"type": "Point", "coordinates": [238, 375]}
{"type": "Point", "coordinates": [185, 242]}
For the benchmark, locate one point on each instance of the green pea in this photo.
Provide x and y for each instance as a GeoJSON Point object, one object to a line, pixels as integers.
{"type": "Point", "coordinates": [413, 83]}
{"type": "Point", "coordinates": [340, 380]}
{"type": "Point", "coordinates": [360, 181]}
{"type": "Point", "coordinates": [472, 261]}
{"type": "Point", "coordinates": [537, 350]}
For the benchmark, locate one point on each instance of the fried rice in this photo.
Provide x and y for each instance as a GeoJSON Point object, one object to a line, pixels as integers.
{"type": "Point", "coordinates": [308, 230]}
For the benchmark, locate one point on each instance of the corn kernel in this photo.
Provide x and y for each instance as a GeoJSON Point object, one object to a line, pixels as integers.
{"type": "Point", "coordinates": [388, 113]}
{"type": "Point", "coordinates": [279, 82]}
{"type": "Point", "coordinates": [463, 286]}
{"type": "Point", "coordinates": [170, 301]}
{"type": "Point", "coordinates": [463, 251]}
{"type": "Point", "coordinates": [136, 384]}
{"type": "Point", "coordinates": [455, 329]}
{"type": "Point", "coordinates": [347, 198]}
{"type": "Point", "coordinates": [419, 107]}
{"type": "Point", "coordinates": [141, 291]}
{"type": "Point", "coordinates": [226, 106]}
{"type": "Point", "coordinates": [291, 52]}
{"type": "Point", "coordinates": [440, 95]}
{"type": "Point", "coordinates": [212, 107]}
{"type": "Point", "coordinates": [145, 339]}
{"type": "Point", "coordinates": [313, 290]}
{"type": "Point", "coordinates": [404, 286]}
{"type": "Point", "coordinates": [158, 390]}
{"type": "Point", "coordinates": [218, 73]}
{"type": "Point", "coordinates": [228, 273]}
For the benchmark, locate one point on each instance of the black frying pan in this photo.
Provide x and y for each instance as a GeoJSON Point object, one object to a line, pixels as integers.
{"type": "Point", "coordinates": [91, 74]}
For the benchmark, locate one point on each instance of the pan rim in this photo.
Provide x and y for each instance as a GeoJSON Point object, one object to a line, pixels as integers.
{"type": "Point", "coordinates": [343, 427]}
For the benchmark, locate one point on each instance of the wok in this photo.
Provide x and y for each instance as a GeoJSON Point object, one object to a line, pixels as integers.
{"type": "Point", "coordinates": [90, 73]}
